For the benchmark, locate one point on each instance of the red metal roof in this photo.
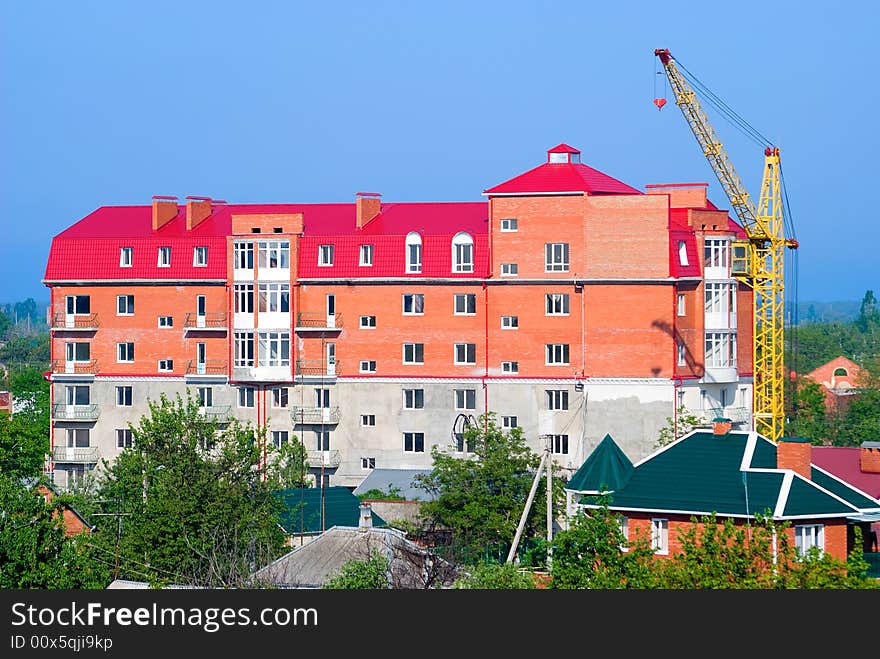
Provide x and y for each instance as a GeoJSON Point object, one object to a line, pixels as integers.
{"type": "Point", "coordinates": [843, 462]}
{"type": "Point", "coordinates": [562, 177]}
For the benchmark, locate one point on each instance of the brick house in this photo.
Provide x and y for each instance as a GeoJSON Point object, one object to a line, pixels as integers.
{"type": "Point", "coordinates": [733, 474]}
{"type": "Point", "coordinates": [840, 380]}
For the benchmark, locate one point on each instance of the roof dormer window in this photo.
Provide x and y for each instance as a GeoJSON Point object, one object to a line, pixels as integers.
{"type": "Point", "coordinates": [562, 154]}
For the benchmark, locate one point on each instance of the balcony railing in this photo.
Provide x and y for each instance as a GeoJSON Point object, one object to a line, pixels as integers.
{"type": "Point", "coordinates": [323, 458]}
{"type": "Point", "coordinates": [211, 367]}
{"type": "Point", "coordinates": [215, 320]}
{"type": "Point", "coordinates": [220, 413]}
{"type": "Point", "coordinates": [63, 321]}
{"type": "Point", "coordinates": [65, 412]}
{"type": "Point", "coordinates": [735, 414]}
{"type": "Point", "coordinates": [316, 367]}
{"type": "Point", "coordinates": [61, 366]}
{"type": "Point", "coordinates": [315, 320]}
{"type": "Point", "coordinates": [314, 415]}
{"type": "Point", "coordinates": [76, 454]}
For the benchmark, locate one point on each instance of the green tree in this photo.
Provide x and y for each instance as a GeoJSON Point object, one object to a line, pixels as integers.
{"type": "Point", "coordinates": [810, 416]}
{"type": "Point", "coordinates": [195, 506]}
{"type": "Point", "coordinates": [34, 552]}
{"type": "Point", "coordinates": [24, 436]}
{"type": "Point", "coordinates": [289, 466]}
{"type": "Point", "coordinates": [678, 426]}
{"type": "Point", "coordinates": [5, 324]}
{"type": "Point", "coordinates": [479, 498]}
{"type": "Point", "coordinates": [369, 574]}
{"type": "Point", "coordinates": [590, 554]}
{"type": "Point", "coordinates": [490, 576]}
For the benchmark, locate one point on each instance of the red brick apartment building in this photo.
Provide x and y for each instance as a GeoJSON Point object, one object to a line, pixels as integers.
{"type": "Point", "coordinates": [567, 302]}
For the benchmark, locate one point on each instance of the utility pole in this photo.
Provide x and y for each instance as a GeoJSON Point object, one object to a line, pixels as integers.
{"type": "Point", "coordinates": [547, 460]}
{"type": "Point", "coordinates": [118, 515]}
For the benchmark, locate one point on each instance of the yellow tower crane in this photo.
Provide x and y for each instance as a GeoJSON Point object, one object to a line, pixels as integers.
{"type": "Point", "coordinates": [757, 261]}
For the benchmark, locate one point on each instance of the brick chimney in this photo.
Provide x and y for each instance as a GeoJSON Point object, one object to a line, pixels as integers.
{"type": "Point", "coordinates": [869, 457]}
{"type": "Point", "coordinates": [796, 454]}
{"type": "Point", "coordinates": [164, 210]}
{"type": "Point", "coordinates": [197, 209]}
{"type": "Point", "coordinates": [369, 205]}
{"type": "Point", "coordinates": [366, 518]}
{"type": "Point", "coordinates": [721, 426]}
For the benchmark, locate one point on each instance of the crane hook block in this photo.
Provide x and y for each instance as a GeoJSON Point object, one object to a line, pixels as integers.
{"type": "Point", "coordinates": [659, 102]}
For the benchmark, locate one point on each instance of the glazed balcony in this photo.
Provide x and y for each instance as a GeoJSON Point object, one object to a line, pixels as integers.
{"type": "Point", "coordinates": [65, 412]}
{"type": "Point", "coordinates": [70, 322]}
{"type": "Point", "coordinates": [210, 322]}
{"type": "Point", "coordinates": [314, 415]}
{"type": "Point", "coordinates": [315, 321]}
{"type": "Point", "coordinates": [84, 454]}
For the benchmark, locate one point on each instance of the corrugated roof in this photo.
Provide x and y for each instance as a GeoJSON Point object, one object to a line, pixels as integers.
{"type": "Point", "coordinates": [301, 509]}
{"type": "Point", "coordinates": [400, 479]}
{"type": "Point", "coordinates": [844, 462]}
{"type": "Point", "coordinates": [607, 468]}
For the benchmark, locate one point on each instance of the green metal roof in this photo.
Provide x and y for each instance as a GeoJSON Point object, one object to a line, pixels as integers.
{"type": "Point", "coordinates": [607, 468]}
{"type": "Point", "coordinates": [301, 509]}
{"type": "Point", "coordinates": [730, 475]}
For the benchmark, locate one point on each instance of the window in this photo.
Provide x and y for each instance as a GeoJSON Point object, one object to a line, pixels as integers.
{"type": "Point", "coordinates": [681, 353]}
{"type": "Point", "coordinates": [78, 395]}
{"type": "Point", "coordinates": [463, 445]}
{"type": "Point", "coordinates": [274, 255]}
{"type": "Point", "coordinates": [123, 438]}
{"type": "Point", "coordinates": [279, 438]}
{"type": "Point", "coordinates": [807, 536]}
{"type": "Point", "coordinates": [508, 422]}
{"type": "Point", "coordinates": [368, 420]}
{"type": "Point", "coordinates": [465, 399]}
{"type": "Point", "coordinates": [413, 252]}
{"type": "Point", "coordinates": [243, 256]}
{"type": "Point", "coordinates": [368, 463]}
{"type": "Point", "coordinates": [556, 257]}
{"type": "Point", "coordinates": [413, 399]}
{"type": "Point", "coordinates": [414, 442]}
{"type": "Point", "coordinates": [125, 352]}
{"type": "Point", "coordinates": [413, 304]}
{"type": "Point", "coordinates": [840, 372]}
{"type": "Point", "coordinates": [462, 253]}
{"type": "Point", "coordinates": [78, 351]}
{"type": "Point", "coordinates": [78, 305]}
{"type": "Point", "coordinates": [368, 322]}
{"type": "Point", "coordinates": [322, 397]}
{"type": "Point", "coordinates": [243, 294]}
{"type": "Point", "coordinates": [164, 260]}
{"type": "Point", "coordinates": [559, 444]}
{"type": "Point", "coordinates": [716, 253]}
{"type": "Point", "coordinates": [557, 354]}
{"type": "Point", "coordinates": [280, 397]}
{"type": "Point", "coordinates": [274, 298]}
{"type": "Point", "coordinates": [680, 306]}
{"type": "Point", "coordinates": [720, 350]}
{"type": "Point", "coordinates": [660, 536]}
{"type": "Point", "coordinates": [206, 396]}
{"type": "Point", "coordinates": [623, 525]}
{"type": "Point", "coordinates": [244, 349]}
{"type": "Point", "coordinates": [465, 353]}
{"type": "Point", "coordinates": [125, 256]}
{"type": "Point", "coordinates": [557, 304]}
{"type": "Point", "coordinates": [77, 437]}
{"type": "Point", "coordinates": [273, 349]}
{"type": "Point", "coordinates": [508, 224]}
{"type": "Point", "coordinates": [720, 297]}
{"type": "Point", "coordinates": [509, 322]}
{"type": "Point", "coordinates": [682, 253]}
{"type": "Point", "coordinates": [166, 321]}
{"type": "Point", "coordinates": [413, 353]}
{"type": "Point", "coordinates": [510, 367]}
{"type": "Point", "coordinates": [465, 304]}
{"type": "Point", "coordinates": [556, 399]}
{"type": "Point", "coordinates": [366, 255]}
{"type": "Point", "coordinates": [125, 305]}
{"type": "Point", "coordinates": [123, 396]}
{"type": "Point", "coordinates": [200, 256]}
{"type": "Point", "coordinates": [325, 255]}
{"type": "Point", "coordinates": [166, 365]}
{"type": "Point", "coordinates": [509, 269]}
{"type": "Point", "coordinates": [322, 440]}
{"type": "Point", "coordinates": [246, 397]}
{"type": "Point", "coordinates": [368, 366]}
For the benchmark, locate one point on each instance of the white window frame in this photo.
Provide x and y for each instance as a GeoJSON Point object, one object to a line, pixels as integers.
{"type": "Point", "coordinates": [557, 354]}
{"type": "Point", "coordinates": [74, 435]}
{"type": "Point", "coordinates": [623, 525]}
{"type": "Point", "coordinates": [509, 224]}
{"type": "Point", "coordinates": [510, 367]}
{"type": "Point", "coordinates": [413, 399]}
{"type": "Point", "coordinates": [273, 298]}
{"type": "Point", "coordinates": [413, 252]}
{"type": "Point", "coordinates": [126, 350]}
{"type": "Point", "coordinates": [720, 297]}
{"type": "Point", "coordinates": [807, 536]}
{"type": "Point", "coordinates": [273, 250]}
{"type": "Point", "coordinates": [416, 301]}
{"type": "Point", "coordinates": [325, 256]}
{"type": "Point", "coordinates": [368, 420]}
{"type": "Point", "coordinates": [557, 304]}
{"type": "Point", "coordinates": [414, 349]}
{"type": "Point", "coordinates": [681, 304]}
{"type": "Point", "coordinates": [124, 393]}
{"type": "Point", "coordinates": [683, 253]}
{"type": "Point", "coordinates": [200, 256]}
{"type": "Point", "coordinates": [243, 296]}
{"type": "Point", "coordinates": [660, 535]}
{"type": "Point", "coordinates": [509, 322]}
{"type": "Point", "coordinates": [465, 304]}
{"type": "Point", "coordinates": [465, 399]}
{"type": "Point", "coordinates": [368, 366]}
{"type": "Point", "coordinates": [125, 305]}
{"type": "Point", "coordinates": [509, 422]}
{"type": "Point", "coordinates": [462, 252]}
{"type": "Point", "coordinates": [165, 366]}
{"type": "Point", "coordinates": [246, 398]}
{"type": "Point", "coordinates": [244, 355]}
{"type": "Point", "coordinates": [271, 348]}
{"type": "Point", "coordinates": [681, 353]}
{"type": "Point", "coordinates": [124, 438]}
{"type": "Point", "coordinates": [322, 439]}
{"type": "Point", "coordinates": [509, 270]}
{"type": "Point", "coordinates": [166, 321]}
{"type": "Point", "coordinates": [556, 257]}
{"type": "Point", "coordinates": [465, 354]}
{"type": "Point", "coordinates": [279, 438]}
{"type": "Point", "coordinates": [556, 399]}
{"type": "Point", "coordinates": [716, 253]}
{"type": "Point", "coordinates": [205, 396]}
{"type": "Point", "coordinates": [126, 257]}
{"type": "Point", "coordinates": [559, 444]}
{"type": "Point", "coordinates": [243, 256]}
{"type": "Point", "coordinates": [365, 256]}
{"type": "Point", "coordinates": [163, 259]}
{"type": "Point", "coordinates": [414, 439]}
{"type": "Point", "coordinates": [280, 398]}
{"type": "Point", "coordinates": [368, 463]}
{"type": "Point", "coordinates": [720, 349]}
{"type": "Point", "coordinates": [368, 322]}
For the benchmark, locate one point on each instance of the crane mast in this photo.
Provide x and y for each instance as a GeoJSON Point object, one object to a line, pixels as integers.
{"type": "Point", "coordinates": [757, 261]}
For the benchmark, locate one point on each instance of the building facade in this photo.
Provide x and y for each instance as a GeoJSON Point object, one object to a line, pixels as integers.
{"type": "Point", "coordinates": [567, 303]}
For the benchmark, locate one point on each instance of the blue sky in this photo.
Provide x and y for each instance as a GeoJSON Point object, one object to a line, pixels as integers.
{"type": "Point", "coordinates": [108, 102]}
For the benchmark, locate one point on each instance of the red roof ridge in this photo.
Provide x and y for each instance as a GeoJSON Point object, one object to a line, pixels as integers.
{"type": "Point", "coordinates": [563, 148]}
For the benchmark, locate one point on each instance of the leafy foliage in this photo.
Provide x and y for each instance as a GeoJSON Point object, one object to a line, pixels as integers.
{"type": "Point", "coordinates": [24, 436]}
{"type": "Point", "coordinates": [504, 576]}
{"type": "Point", "coordinates": [369, 574]}
{"type": "Point", "coordinates": [376, 494]}
{"type": "Point", "coordinates": [678, 426]}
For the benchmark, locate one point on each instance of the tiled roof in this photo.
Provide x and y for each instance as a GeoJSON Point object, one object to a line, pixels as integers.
{"type": "Point", "coordinates": [731, 475]}
{"type": "Point", "coordinates": [301, 509]}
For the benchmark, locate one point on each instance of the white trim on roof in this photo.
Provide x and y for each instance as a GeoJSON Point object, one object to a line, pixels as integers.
{"type": "Point", "coordinates": [74, 282]}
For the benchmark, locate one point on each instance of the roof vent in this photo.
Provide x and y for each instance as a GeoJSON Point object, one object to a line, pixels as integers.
{"type": "Point", "coordinates": [366, 517]}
